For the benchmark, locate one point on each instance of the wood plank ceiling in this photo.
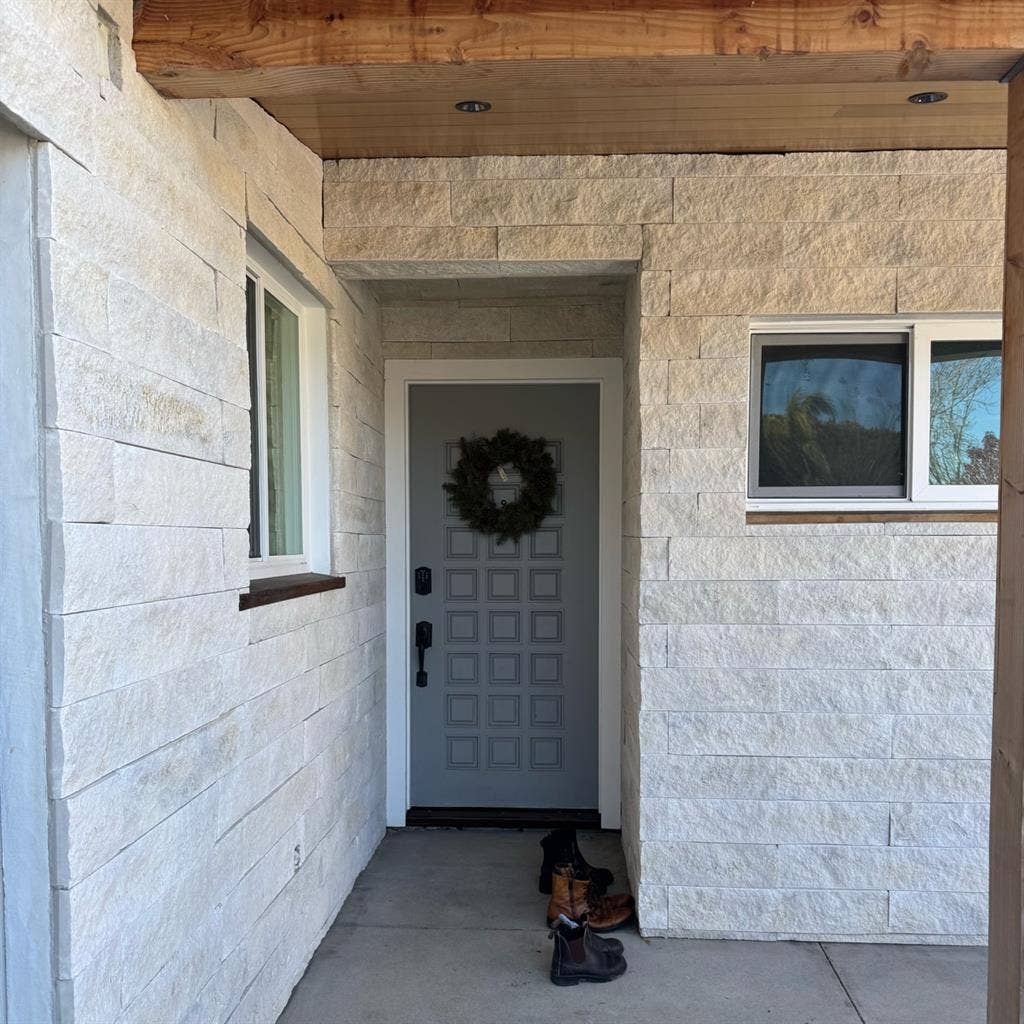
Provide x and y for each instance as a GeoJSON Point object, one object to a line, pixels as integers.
{"type": "Point", "coordinates": [373, 78]}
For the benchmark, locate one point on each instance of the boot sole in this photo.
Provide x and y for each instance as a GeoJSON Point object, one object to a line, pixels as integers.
{"type": "Point", "coordinates": [596, 979]}
{"type": "Point", "coordinates": [614, 927]}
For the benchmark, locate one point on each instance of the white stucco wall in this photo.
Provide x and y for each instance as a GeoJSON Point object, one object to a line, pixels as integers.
{"type": "Point", "coordinates": [806, 708]}
{"type": "Point", "coordinates": [216, 776]}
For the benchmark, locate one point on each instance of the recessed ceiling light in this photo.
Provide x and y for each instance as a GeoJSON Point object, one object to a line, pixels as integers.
{"type": "Point", "coordinates": [473, 106]}
{"type": "Point", "coordinates": [928, 97]}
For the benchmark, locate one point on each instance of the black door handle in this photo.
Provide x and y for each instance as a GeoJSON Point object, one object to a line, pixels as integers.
{"type": "Point", "coordinates": [424, 639]}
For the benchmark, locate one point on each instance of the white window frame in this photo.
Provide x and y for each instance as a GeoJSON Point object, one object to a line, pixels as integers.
{"type": "Point", "coordinates": [269, 274]}
{"type": "Point", "coordinates": [921, 331]}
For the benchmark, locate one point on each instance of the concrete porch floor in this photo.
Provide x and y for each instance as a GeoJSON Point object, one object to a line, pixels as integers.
{"type": "Point", "coordinates": [447, 927]}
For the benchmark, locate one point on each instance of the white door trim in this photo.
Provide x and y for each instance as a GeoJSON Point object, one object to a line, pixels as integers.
{"type": "Point", "coordinates": [399, 374]}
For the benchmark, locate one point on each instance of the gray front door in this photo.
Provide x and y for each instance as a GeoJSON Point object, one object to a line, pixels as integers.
{"type": "Point", "coordinates": [508, 717]}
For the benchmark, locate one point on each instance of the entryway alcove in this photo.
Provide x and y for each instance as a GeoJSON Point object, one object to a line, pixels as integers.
{"type": "Point", "coordinates": [516, 718]}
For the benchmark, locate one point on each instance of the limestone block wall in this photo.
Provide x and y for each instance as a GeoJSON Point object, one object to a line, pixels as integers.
{"type": "Point", "coordinates": [806, 708]}
{"type": "Point", "coordinates": [495, 319]}
{"type": "Point", "coordinates": [216, 776]}
{"type": "Point", "coordinates": [815, 699]}
{"type": "Point", "coordinates": [631, 582]}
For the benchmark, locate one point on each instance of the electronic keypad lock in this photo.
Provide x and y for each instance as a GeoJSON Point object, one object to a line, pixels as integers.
{"type": "Point", "coordinates": [423, 580]}
{"type": "Point", "coordinates": [424, 640]}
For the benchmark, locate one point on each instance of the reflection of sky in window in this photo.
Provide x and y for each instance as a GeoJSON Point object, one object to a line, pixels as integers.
{"type": "Point", "coordinates": [866, 388]}
{"type": "Point", "coordinates": [987, 355]}
{"type": "Point", "coordinates": [986, 416]}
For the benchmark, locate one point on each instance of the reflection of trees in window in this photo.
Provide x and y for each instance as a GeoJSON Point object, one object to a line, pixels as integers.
{"type": "Point", "coordinates": [982, 466]}
{"type": "Point", "coordinates": [807, 446]}
{"type": "Point", "coordinates": [965, 379]}
{"type": "Point", "coordinates": [283, 459]}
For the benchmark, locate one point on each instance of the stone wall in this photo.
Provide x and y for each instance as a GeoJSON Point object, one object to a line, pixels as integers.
{"type": "Point", "coordinates": [631, 582]}
{"type": "Point", "coordinates": [216, 776]}
{"type": "Point", "coordinates": [816, 699]}
{"type": "Point", "coordinates": [505, 318]}
{"type": "Point", "coordinates": [806, 707]}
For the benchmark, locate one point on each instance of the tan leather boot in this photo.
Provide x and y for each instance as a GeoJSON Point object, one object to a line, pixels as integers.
{"type": "Point", "coordinates": [573, 897]}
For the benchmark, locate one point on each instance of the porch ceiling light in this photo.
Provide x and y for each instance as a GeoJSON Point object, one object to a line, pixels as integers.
{"type": "Point", "coordinates": [473, 106]}
{"type": "Point", "coordinates": [928, 97]}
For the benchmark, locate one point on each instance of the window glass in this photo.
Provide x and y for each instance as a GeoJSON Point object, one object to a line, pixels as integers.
{"type": "Point", "coordinates": [833, 416]}
{"type": "Point", "coordinates": [963, 437]}
{"type": "Point", "coordinates": [283, 440]}
{"type": "Point", "coordinates": [252, 340]}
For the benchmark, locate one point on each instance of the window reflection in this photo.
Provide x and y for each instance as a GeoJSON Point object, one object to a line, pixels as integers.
{"type": "Point", "coordinates": [966, 378]}
{"type": "Point", "coordinates": [284, 455]}
{"type": "Point", "coordinates": [252, 341]}
{"type": "Point", "coordinates": [833, 415]}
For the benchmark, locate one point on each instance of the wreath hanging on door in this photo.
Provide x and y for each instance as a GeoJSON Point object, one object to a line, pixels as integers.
{"type": "Point", "coordinates": [470, 486]}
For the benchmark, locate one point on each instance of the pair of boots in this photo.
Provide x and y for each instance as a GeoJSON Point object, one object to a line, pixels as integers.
{"type": "Point", "coordinates": [579, 910]}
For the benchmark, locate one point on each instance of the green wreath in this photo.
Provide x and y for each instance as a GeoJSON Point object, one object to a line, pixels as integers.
{"type": "Point", "coordinates": [471, 490]}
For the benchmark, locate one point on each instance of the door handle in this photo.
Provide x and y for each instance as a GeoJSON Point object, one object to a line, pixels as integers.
{"type": "Point", "coordinates": [424, 640]}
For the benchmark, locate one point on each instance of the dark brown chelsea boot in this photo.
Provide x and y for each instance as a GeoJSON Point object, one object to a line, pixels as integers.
{"type": "Point", "coordinates": [610, 946]}
{"type": "Point", "coordinates": [577, 956]}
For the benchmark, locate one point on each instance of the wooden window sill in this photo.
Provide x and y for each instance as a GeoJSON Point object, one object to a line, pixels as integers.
{"type": "Point", "coordinates": [920, 516]}
{"type": "Point", "coordinates": [272, 589]}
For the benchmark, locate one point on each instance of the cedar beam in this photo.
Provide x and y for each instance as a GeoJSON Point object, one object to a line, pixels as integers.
{"type": "Point", "coordinates": [291, 47]}
{"type": "Point", "coordinates": [1006, 842]}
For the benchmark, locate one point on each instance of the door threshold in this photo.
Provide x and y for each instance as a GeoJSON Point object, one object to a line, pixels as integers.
{"type": "Point", "coordinates": [501, 817]}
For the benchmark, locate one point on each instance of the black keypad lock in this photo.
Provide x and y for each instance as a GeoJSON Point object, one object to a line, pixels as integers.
{"type": "Point", "coordinates": [423, 581]}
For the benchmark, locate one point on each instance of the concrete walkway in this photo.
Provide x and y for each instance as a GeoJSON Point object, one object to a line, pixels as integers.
{"type": "Point", "coordinates": [447, 927]}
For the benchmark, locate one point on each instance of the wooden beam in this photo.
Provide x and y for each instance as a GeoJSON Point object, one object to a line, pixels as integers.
{"type": "Point", "coordinates": [277, 48]}
{"type": "Point", "coordinates": [1006, 842]}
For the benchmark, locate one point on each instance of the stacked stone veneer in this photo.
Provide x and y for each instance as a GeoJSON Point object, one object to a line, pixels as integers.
{"type": "Point", "coordinates": [492, 326]}
{"type": "Point", "coordinates": [216, 776]}
{"type": "Point", "coordinates": [632, 471]}
{"type": "Point", "coordinates": [806, 706]}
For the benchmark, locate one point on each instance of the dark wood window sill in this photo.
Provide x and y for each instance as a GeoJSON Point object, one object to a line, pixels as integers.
{"type": "Point", "coordinates": [284, 588]}
{"type": "Point", "coordinates": [920, 516]}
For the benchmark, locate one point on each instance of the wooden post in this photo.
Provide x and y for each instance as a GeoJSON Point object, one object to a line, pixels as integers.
{"type": "Point", "coordinates": [1006, 842]}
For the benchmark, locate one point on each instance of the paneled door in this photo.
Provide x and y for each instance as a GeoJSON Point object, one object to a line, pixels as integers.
{"type": "Point", "coordinates": [509, 713]}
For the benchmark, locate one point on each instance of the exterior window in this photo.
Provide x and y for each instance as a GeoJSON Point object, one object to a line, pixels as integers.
{"type": "Point", "coordinates": [963, 438]}
{"type": "Point", "coordinates": [282, 337]}
{"type": "Point", "coordinates": [901, 412]}
{"type": "Point", "coordinates": [832, 416]}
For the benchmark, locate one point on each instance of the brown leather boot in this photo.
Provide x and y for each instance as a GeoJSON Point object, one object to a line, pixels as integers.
{"type": "Point", "coordinates": [578, 957]}
{"type": "Point", "coordinates": [561, 847]}
{"type": "Point", "coordinates": [574, 898]}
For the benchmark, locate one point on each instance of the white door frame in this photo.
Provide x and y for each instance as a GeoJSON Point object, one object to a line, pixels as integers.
{"type": "Point", "coordinates": [399, 374]}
